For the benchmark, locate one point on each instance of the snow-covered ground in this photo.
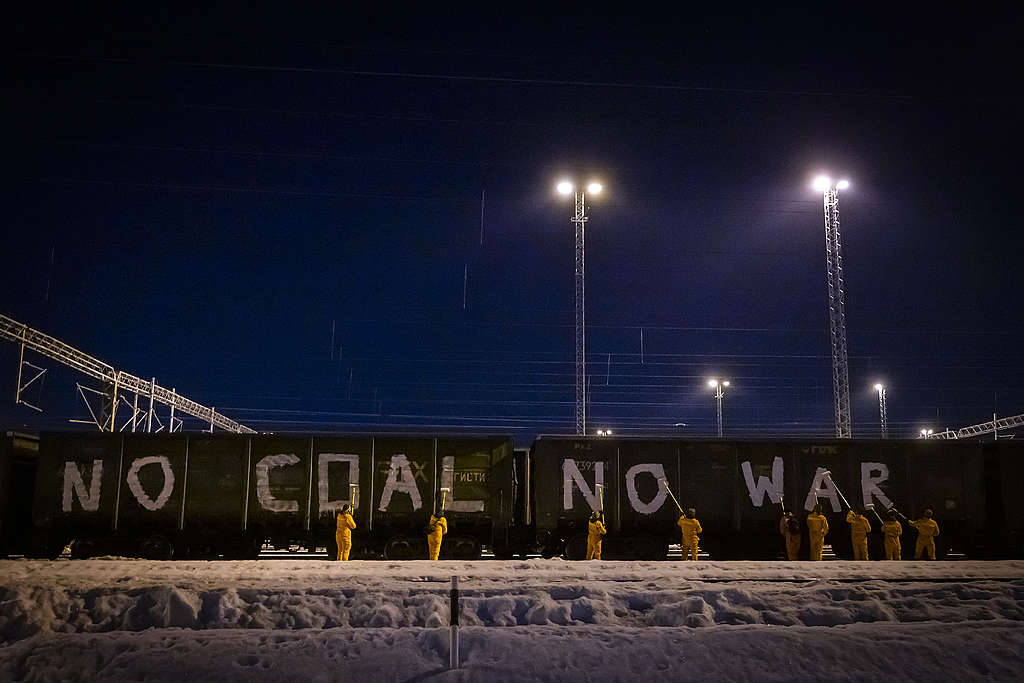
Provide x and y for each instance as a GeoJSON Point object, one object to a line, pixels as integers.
{"type": "Point", "coordinates": [120, 619]}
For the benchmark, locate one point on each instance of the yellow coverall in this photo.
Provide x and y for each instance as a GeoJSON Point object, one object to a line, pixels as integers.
{"type": "Point", "coordinates": [892, 530]}
{"type": "Point", "coordinates": [343, 535]}
{"type": "Point", "coordinates": [691, 530]}
{"type": "Point", "coordinates": [792, 540]}
{"type": "Point", "coordinates": [817, 527]}
{"type": "Point", "coordinates": [439, 527]}
{"type": "Point", "coordinates": [595, 530]}
{"type": "Point", "coordinates": [927, 530]}
{"type": "Point", "coordinates": [860, 526]}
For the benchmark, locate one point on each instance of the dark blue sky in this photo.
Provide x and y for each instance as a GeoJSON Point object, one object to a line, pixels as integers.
{"type": "Point", "coordinates": [217, 187]}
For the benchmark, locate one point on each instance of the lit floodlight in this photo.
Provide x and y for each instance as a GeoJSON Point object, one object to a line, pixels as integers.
{"type": "Point", "coordinates": [725, 383]}
{"type": "Point", "coordinates": [842, 184]}
{"type": "Point", "coordinates": [564, 187]}
{"type": "Point", "coordinates": [594, 188]}
{"type": "Point", "coordinates": [822, 183]}
{"type": "Point", "coordinates": [712, 383]}
{"type": "Point", "coordinates": [879, 387]}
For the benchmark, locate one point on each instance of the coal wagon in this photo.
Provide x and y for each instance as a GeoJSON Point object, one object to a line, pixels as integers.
{"type": "Point", "coordinates": [204, 495]}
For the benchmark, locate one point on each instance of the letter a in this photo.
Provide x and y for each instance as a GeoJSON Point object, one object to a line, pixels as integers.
{"type": "Point", "coordinates": [400, 479]}
{"type": "Point", "coordinates": [822, 487]}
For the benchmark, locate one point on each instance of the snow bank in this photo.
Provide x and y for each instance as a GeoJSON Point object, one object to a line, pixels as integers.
{"type": "Point", "coordinates": [860, 652]}
{"type": "Point", "coordinates": [536, 620]}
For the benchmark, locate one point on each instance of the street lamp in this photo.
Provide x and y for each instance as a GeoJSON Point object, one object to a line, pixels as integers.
{"type": "Point", "coordinates": [579, 219]}
{"type": "Point", "coordinates": [836, 303]}
{"type": "Point", "coordinates": [719, 387]}
{"type": "Point", "coordinates": [883, 412]}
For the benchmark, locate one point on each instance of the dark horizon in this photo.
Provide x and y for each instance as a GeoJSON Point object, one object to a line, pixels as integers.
{"type": "Point", "coordinates": [201, 195]}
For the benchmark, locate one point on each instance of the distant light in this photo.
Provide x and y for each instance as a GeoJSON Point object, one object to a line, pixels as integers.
{"type": "Point", "coordinates": [594, 188]}
{"type": "Point", "coordinates": [712, 383]}
{"type": "Point", "coordinates": [879, 387]}
{"type": "Point", "coordinates": [842, 184]}
{"type": "Point", "coordinates": [604, 432]}
{"type": "Point", "coordinates": [725, 383]}
{"type": "Point", "coordinates": [564, 187]}
{"type": "Point", "coordinates": [822, 183]}
{"type": "Point", "coordinates": [680, 424]}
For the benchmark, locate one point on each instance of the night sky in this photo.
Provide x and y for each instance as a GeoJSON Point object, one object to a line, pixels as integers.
{"type": "Point", "coordinates": [201, 195]}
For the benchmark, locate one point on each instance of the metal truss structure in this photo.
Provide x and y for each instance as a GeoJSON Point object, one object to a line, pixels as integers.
{"type": "Point", "coordinates": [579, 219]}
{"type": "Point", "coordinates": [837, 316]}
{"type": "Point", "coordinates": [991, 427]}
{"type": "Point", "coordinates": [117, 383]}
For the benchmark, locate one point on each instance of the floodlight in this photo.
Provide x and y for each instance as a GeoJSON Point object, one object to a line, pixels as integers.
{"type": "Point", "coordinates": [842, 184]}
{"type": "Point", "coordinates": [822, 183]}
{"type": "Point", "coordinates": [594, 188]}
{"type": "Point", "coordinates": [564, 187]}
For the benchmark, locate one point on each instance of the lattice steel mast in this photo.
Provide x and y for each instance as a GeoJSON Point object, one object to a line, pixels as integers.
{"type": "Point", "coordinates": [836, 308]}
{"type": "Point", "coordinates": [579, 219]}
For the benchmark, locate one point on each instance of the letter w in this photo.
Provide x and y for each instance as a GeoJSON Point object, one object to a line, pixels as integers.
{"type": "Point", "coordinates": [764, 485]}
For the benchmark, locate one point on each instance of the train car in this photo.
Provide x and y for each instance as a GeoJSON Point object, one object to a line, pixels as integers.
{"type": "Point", "coordinates": [739, 489]}
{"type": "Point", "coordinates": [203, 495]}
{"type": "Point", "coordinates": [18, 453]}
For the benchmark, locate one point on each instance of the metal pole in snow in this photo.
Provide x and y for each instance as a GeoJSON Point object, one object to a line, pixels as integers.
{"type": "Point", "coordinates": [453, 659]}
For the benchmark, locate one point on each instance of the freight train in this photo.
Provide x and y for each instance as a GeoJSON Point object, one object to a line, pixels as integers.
{"type": "Point", "coordinates": [208, 496]}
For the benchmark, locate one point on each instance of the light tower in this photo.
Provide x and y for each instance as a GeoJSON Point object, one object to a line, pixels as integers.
{"type": "Point", "coordinates": [883, 411]}
{"type": "Point", "coordinates": [836, 304]}
{"type": "Point", "coordinates": [719, 387]}
{"type": "Point", "coordinates": [579, 219]}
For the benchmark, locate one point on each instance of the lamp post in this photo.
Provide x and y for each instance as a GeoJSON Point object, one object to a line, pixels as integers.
{"type": "Point", "coordinates": [836, 304]}
{"type": "Point", "coordinates": [719, 387]}
{"type": "Point", "coordinates": [883, 411]}
{"type": "Point", "coordinates": [579, 219]}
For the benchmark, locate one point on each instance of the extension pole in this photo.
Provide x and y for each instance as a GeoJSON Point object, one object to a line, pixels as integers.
{"type": "Point", "coordinates": [665, 481]}
{"type": "Point", "coordinates": [453, 659]}
{"type": "Point", "coordinates": [845, 502]}
{"type": "Point", "coordinates": [871, 506]}
{"type": "Point", "coordinates": [600, 496]}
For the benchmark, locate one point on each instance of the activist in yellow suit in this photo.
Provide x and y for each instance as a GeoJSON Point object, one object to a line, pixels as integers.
{"type": "Point", "coordinates": [595, 530]}
{"type": "Point", "coordinates": [927, 530]}
{"type": "Point", "coordinates": [860, 527]}
{"type": "Point", "coordinates": [892, 530]}
{"type": "Point", "coordinates": [817, 528]}
{"type": "Point", "coordinates": [690, 527]}
{"type": "Point", "coordinates": [343, 534]}
{"type": "Point", "coordinates": [437, 528]}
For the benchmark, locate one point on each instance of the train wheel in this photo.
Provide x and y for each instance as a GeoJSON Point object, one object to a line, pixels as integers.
{"type": "Point", "coordinates": [650, 549]}
{"type": "Point", "coordinates": [464, 548]}
{"type": "Point", "coordinates": [576, 547]}
{"type": "Point", "coordinates": [401, 548]}
{"type": "Point", "coordinates": [82, 549]}
{"type": "Point", "coordinates": [157, 548]}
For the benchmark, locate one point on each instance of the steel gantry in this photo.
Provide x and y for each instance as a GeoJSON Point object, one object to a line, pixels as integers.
{"type": "Point", "coordinates": [120, 383]}
{"type": "Point", "coordinates": [991, 427]}
{"type": "Point", "coordinates": [837, 313]}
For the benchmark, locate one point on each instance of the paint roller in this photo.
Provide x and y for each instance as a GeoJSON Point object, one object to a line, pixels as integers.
{"type": "Point", "coordinates": [353, 494]}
